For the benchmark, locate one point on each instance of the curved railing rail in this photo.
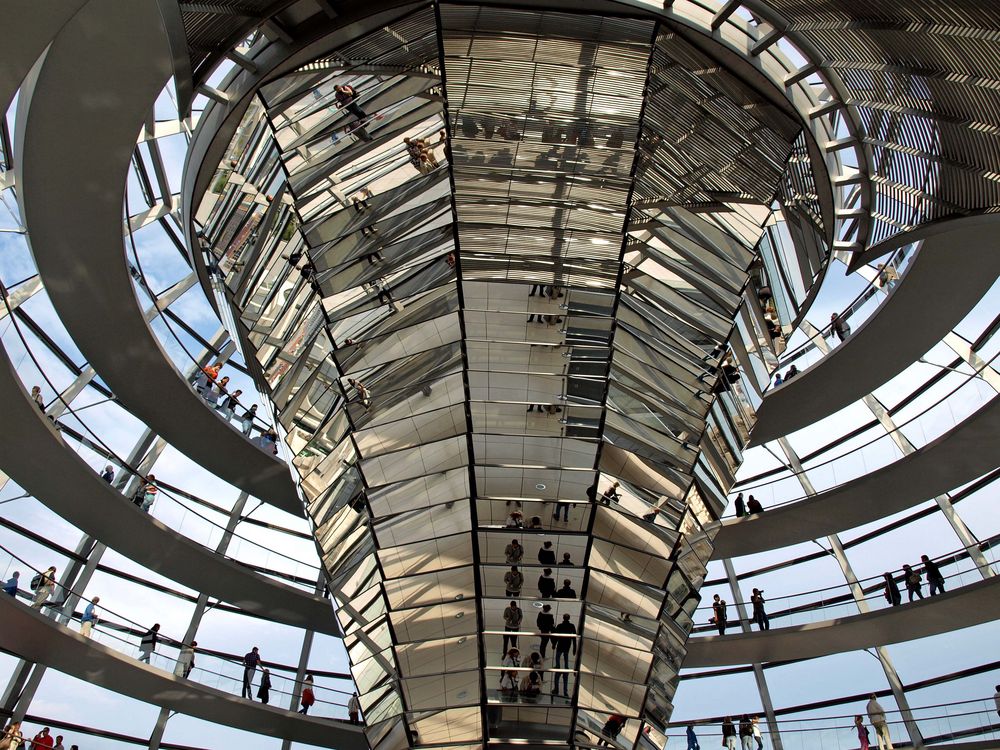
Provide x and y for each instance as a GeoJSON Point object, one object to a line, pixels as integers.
{"type": "Point", "coordinates": [933, 421]}
{"type": "Point", "coordinates": [260, 424]}
{"type": "Point", "coordinates": [124, 635]}
{"type": "Point", "coordinates": [938, 723]}
{"type": "Point", "coordinates": [177, 514]}
{"type": "Point", "coordinates": [838, 601]}
{"type": "Point", "coordinates": [851, 311]}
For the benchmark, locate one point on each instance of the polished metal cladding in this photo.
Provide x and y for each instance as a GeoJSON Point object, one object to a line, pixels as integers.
{"type": "Point", "coordinates": [515, 280]}
{"type": "Point", "coordinates": [513, 329]}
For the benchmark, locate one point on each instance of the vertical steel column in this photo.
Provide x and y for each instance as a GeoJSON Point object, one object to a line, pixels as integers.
{"type": "Point", "coordinates": [235, 516]}
{"type": "Point", "coordinates": [837, 550]}
{"type": "Point", "coordinates": [758, 670]}
{"type": "Point", "coordinates": [964, 534]}
{"type": "Point", "coordinates": [300, 672]}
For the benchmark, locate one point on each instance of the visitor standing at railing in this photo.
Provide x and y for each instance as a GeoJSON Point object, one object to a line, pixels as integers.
{"type": "Point", "coordinates": [863, 737]}
{"type": "Point", "coordinates": [728, 734]}
{"type": "Point", "coordinates": [43, 739]}
{"type": "Point", "coordinates": [839, 326]}
{"type": "Point", "coordinates": [264, 690]}
{"type": "Point", "coordinates": [353, 709]}
{"type": "Point", "coordinates": [755, 724]}
{"type": "Point", "coordinates": [876, 715]}
{"type": "Point", "coordinates": [746, 732]}
{"type": "Point", "coordinates": [12, 737]}
{"type": "Point", "coordinates": [89, 618]}
{"type": "Point", "coordinates": [250, 661]}
{"type": "Point", "coordinates": [912, 580]}
{"type": "Point", "coordinates": [692, 739]}
{"type": "Point", "coordinates": [10, 588]}
{"type": "Point", "coordinates": [935, 581]}
{"type": "Point", "coordinates": [308, 697]}
{"type": "Point", "coordinates": [892, 594]}
{"type": "Point", "coordinates": [759, 615]}
{"type": "Point", "coordinates": [720, 616]}
{"type": "Point", "coordinates": [148, 643]}
{"type": "Point", "coordinates": [185, 660]}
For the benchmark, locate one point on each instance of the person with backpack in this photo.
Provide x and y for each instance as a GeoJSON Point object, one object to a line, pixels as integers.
{"type": "Point", "coordinates": [44, 585]}
{"type": "Point", "coordinates": [912, 580]}
{"type": "Point", "coordinates": [145, 495]}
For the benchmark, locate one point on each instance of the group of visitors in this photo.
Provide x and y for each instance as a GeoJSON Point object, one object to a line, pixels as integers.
{"type": "Point", "coordinates": [563, 640]}
{"type": "Point", "coordinates": [215, 391]}
{"type": "Point", "coordinates": [421, 152]}
{"type": "Point", "coordinates": [913, 581]}
{"type": "Point", "coordinates": [14, 738]}
{"type": "Point", "coordinates": [790, 373]}
{"type": "Point", "coordinates": [513, 581]}
{"type": "Point", "coordinates": [748, 730]}
{"type": "Point", "coordinates": [720, 612]}
{"type": "Point", "coordinates": [43, 586]}
{"type": "Point", "coordinates": [748, 508]}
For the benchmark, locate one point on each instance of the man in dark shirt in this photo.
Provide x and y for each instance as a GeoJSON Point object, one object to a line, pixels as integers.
{"type": "Point", "coordinates": [728, 734]}
{"type": "Point", "coordinates": [566, 592]}
{"type": "Point", "coordinates": [935, 581]}
{"type": "Point", "coordinates": [546, 555]}
{"type": "Point", "coordinates": [546, 584]}
{"type": "Point", "coordinates": [512, 581]}
{"type": "Point", "coordinates": [512, 617]}
{"type": "Point", "coordinates": [250, 662]}
{"type": "Point", "coordinates": [546, 624]}
{"type": "Point", "coordinates": [565, 640]}
{"type": "Point", "coordinates": [566, 560]}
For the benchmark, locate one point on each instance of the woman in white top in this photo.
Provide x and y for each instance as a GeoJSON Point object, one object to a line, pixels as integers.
{"type": "Point", "coordinates": [185, 660]}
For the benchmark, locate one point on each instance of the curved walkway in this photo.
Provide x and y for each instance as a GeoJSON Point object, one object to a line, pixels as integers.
{"type": "Point", "coordinates": [34, 637]}
{"type": "Point", "coordinates": [36, 458]}
{"type": "Point", "coordinates": [29, 26]}
{"type": "Point", "coordinates": [970, 605]}
{"type": "Point", "coordinates": [962, 454]}
{"type": "Point", "coordinates": [71, 186]}
{"type": "Point", "coordinates": [956, 265]}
